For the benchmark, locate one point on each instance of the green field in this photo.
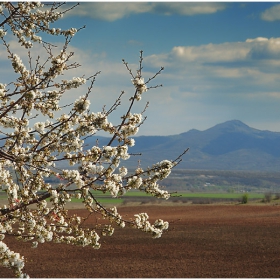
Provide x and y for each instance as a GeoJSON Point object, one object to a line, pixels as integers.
{"type": "Point", "coordinates": [180, 196]}
{"type": "Point", "coordinates": [221, 195]}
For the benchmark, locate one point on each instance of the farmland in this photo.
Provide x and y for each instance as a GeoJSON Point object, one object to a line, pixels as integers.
{"type": "Point", "coordinates": [208, 241]}
{"type": "Point", "coordinates": [211, 234]}
{"type": "Point", "coordinates": [223, 181]}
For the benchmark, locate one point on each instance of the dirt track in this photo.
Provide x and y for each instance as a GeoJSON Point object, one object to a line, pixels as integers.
{"type": "Point", "coordinates": [208, 241]}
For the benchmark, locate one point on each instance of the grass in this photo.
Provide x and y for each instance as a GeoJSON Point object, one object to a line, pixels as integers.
{"type": "Point", "coordinates": [107, 199]}
{"type": "Point", "coordinates": [221, 195]}
{"type": "Point", "coordinates": [136, 194]}
{"type": "Point", "coordinates": [133, 193]}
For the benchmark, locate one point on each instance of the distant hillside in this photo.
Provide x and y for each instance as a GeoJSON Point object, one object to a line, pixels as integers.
{"type": "Point", "coordinates": [228, 146]}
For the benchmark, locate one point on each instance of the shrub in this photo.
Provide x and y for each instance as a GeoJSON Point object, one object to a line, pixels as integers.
{"type": "Point", "coordinates": [244, 198]}
{"type": "Point", "coordinates": [267, 197]}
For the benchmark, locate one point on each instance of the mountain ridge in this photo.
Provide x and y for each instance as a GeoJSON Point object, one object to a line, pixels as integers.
{"type": "Point", "coordinates": [231, 145]}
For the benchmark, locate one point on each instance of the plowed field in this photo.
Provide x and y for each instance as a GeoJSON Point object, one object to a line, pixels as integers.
{"type": "Point", "coordinates": [228, 241]}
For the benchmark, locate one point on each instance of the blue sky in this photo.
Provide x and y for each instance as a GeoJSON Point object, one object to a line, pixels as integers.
{"type": "Point", "coordinates": [221, 60]}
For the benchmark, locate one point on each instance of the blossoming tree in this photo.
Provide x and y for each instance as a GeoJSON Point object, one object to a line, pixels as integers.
{"type": "Point", "coordinates": [31, 153]}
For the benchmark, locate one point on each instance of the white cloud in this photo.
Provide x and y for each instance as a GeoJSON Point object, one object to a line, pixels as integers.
{"type": "Point", "coordinates": [262, 52]}
{"type": "Point", "coordinates": [272, 13]}
{"type": "Point", "coordinates": [221, 80]}
{"type": "Point", "coordinates": [211, 52]}
{"type": "Point", "coordinates": [111, 11]}
{"type": "Point", "coordinates": [187, 8]}
{"type": "Point", "coordinates": [263, 48]}
{"type": "Point", "coordinates": [224, 79]}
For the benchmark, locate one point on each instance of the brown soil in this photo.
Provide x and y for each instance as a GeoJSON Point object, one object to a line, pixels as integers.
{"type": "Point", "coordinates": [209, 241]}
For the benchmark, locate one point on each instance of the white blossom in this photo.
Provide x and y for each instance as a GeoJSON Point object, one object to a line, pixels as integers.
{"type": "Point", "coordinates": [45, 159]}
{"type": "Point", "coordinates": [3, 247]}
{"type": "Point", "coordinates": [34, 244]}
{"type": "Point", "coordinates": [36, 38]}
{"type": "Point", "coordinates": [2, 32]}
{"type": "Point", "coordinates": [135, 182]}
{"type": "Point", "coordinates": [18, 65]}
{"type": "Point", "coordinates": [82, 104]}
{"type": "Point", "coordinates": [139, 84]}
{"type": "Point", "coordinates": [40, 127]}
{"type": "Point", "coordinates": [74, 83]}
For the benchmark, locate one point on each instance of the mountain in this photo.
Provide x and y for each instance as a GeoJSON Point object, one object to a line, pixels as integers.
{"type": "Point", "coordinates": [231, 145]}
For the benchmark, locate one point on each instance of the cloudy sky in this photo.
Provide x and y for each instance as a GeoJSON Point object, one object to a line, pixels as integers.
{"type": "Point", "coordinates": [221, 60]}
